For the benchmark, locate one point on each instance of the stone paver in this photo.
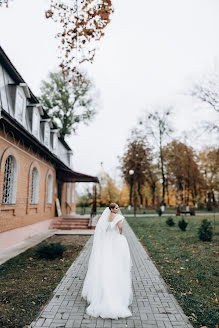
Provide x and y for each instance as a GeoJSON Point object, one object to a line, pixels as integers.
{"type": "Point", "coordinates": [153, 305]}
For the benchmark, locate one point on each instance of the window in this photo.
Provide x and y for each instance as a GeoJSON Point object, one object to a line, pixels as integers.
{"type": "Point", "coordinates": [49, 189]}
{"type": "Point", "coordinates": [10, 181]}
{"type": "Point", "coordinates": [73, 195]}
{"type": "Point", "coordinates": [46, 134]}
{"type": "Point", "coordinates": [68, 193]}
{"type": "Point", "coordinates": [34, 186]}
{"type": "Point", "coordinates": [70, 158]}
{"type": "Point", "coordinates": [35, 122]}
{"type": "Point", "coordinates": [55, 140]}
{"type": "Point", "coordinates": [20, 106]}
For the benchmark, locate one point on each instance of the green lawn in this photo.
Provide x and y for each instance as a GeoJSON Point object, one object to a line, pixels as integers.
{"type": "Point", "coordinates": [186, 264]}
{"type": "Point", "coordinates": [26, 282]}
{"type": "Point", "coordinates": [87, 210]}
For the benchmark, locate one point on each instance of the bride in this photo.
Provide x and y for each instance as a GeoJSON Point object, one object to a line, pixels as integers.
{"type": "Point", "coordinates": [108, 282]}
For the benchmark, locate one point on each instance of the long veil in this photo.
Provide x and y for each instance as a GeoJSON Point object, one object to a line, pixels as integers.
{"type": "Point", "coordinates": [90, 290]}
{"type": "Point", "coordinates": [100, 230]}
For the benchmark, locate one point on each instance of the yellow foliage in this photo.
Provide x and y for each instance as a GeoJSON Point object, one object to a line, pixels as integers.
{"type": "Point", "coordinates": [124, 195]}
{"type": "Point", "coordinates": [109, 193]}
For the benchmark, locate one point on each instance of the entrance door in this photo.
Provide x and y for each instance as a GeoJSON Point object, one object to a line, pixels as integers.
{"type": "Point", "coordinates": [60, 184]}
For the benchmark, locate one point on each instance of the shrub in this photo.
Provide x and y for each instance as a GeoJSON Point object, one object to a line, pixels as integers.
{"type": "Point", "coordinates": [50, 251]}
{"type": "Point", "coordinates": [205, 231]}
{"type": "Point", "coordinates": [160, 212]}
{"type": "Point", "coordinates": [182, 224]}
{"type": "Point", "coordinates": [170, 222]}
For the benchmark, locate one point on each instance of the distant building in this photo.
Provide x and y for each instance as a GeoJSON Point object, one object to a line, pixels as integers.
{"type": "Point", "coordinates": [35, 162]}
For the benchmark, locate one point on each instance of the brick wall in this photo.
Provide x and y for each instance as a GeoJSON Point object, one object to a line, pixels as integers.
{"type": "Point", "coordinates": [23, 213]}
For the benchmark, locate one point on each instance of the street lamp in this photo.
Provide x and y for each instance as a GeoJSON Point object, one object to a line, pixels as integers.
{"type": "Point", "coordinates": [94, 205]}
{"type": "Point", "coordinates": [162, 205]}
{"type": "Point", "coordinates": [131, 173]}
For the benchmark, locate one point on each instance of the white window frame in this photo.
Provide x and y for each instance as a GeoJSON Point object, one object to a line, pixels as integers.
{"type": "Point", "coordinates": [49, 189]}
{"type": "Point", "coordinates": [54, 140]}
{"type": "Point", "coordinates": [36, 122]}
{"type": "Point", "coordinates": [20, 105]}
{"type": "Point", "coordinates": [46, 134]}
{"type": "Point", "coordinates": [10, 181]}
{"type": "Point", "coordinates": [34, 186]}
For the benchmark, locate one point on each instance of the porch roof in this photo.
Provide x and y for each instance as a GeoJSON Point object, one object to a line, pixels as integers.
{"type": "Point", "coordinates": [67, 175]}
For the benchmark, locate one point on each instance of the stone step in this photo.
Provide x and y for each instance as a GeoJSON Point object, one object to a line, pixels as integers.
{"type": "Point", "coordinates": [69, 224]}
{"type": "Point", "coordinates": [72, 218]}
{"type": "Point", "coordinates": [69, 227]}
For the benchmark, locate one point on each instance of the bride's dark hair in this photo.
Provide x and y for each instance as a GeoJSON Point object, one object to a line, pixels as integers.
{"type": "Point", "coordinates": [112, 206]}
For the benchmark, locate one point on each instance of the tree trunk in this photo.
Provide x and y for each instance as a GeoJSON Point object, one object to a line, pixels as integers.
{"type": "Point", "coordinates": [140, 194]}
{"type": "Point", "coordinates": [153, 189]}
{"type": "Point", "coordinates": [162, 172]}
{"type": "Point", "coordinates": [213, 198]}
{"type": "Point", "coordinates": [130, 193]}
{"type": "Point", "coordinates": [209, 205]}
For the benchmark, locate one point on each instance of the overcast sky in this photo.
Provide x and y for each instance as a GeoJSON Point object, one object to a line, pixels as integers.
{"type": "Point", "coordinates": [151, 53]}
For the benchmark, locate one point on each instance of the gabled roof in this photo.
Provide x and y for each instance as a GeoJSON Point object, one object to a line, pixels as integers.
{"type": "Point", "coordinates": [63, 172]}
{"type": "Point", "coordinates": [10, 124]}
{"type": "Point", "coordinates": [16, 76]}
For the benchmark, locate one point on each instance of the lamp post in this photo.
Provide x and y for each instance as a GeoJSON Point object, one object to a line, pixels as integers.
{"type": "Point", "coordinates": [131, 173]}
{"type": "Point", "coordinates": [162, 204]}
{"type": "Point", "coordinates": [135, 200]}
{"type": "Point", "coordinates": [94, 205]}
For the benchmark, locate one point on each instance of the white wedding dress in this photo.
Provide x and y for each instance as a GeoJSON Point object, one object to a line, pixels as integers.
{"type": "Point", "coordinates": [108, 282]}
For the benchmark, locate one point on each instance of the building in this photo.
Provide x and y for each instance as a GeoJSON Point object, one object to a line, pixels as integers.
{"type": "Point", "coordinates": [35, 162]}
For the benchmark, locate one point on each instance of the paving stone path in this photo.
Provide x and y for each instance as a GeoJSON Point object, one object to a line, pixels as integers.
{"type": "Point", "coordinates": [153, 305]}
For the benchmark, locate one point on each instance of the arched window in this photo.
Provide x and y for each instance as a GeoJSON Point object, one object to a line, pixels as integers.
{"type": "Point", "coordinates": [10, 181]}
{"type": "Point", "coordinates": [34, 186]}
{"type": "Point", "coordinates": [49, 189]}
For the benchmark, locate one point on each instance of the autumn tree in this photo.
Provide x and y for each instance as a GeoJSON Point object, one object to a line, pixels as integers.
{"type": "Point", "coordinates": [208, 160]}
{"type": "Point", "coordinates": [207, 91]}
{"type": "Point", "coordinates": [69, 99]}
{"type": "Point", "coordinates": [183, 172]}
{"type": "Point", "coordinates": [110, 192]}
{"type": "Point", "coordinates": [136, 158]}
{"type": "Point", "coordinates": [157, 128]}
{"type": "Point", "coordinates": [82, 24]}
{"type": "Point", "coordinates": [85, 199]}
{"type": "Point", "coordinates": [124, 195]}
{"type": "Point", "coordinates": [151, 180]}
